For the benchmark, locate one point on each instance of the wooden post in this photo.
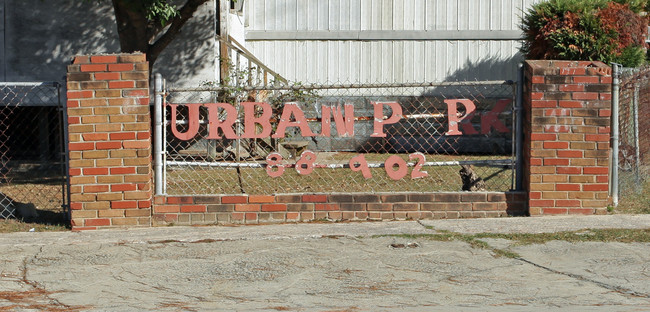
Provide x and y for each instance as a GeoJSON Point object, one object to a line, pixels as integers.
{"type": "Point", "coordinates": [224, 57]}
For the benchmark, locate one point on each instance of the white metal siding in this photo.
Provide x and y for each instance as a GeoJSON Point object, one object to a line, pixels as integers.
{"type": "Point", "coordinates": [385, 56]}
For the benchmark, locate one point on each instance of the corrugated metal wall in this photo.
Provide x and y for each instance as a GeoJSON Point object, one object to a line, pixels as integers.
{"type": "Point", "coordinates": [386, 40]}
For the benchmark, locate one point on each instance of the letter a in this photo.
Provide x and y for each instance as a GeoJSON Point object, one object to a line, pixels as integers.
{"type": "Point", "coordinates": [292, 109]}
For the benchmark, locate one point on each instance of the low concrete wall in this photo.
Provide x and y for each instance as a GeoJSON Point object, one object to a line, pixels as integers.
{"type": "Point", "coordinates": [251, 209]}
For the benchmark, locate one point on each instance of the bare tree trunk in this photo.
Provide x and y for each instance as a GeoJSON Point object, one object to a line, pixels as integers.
{"type": "Point", "coordinates": [138, 34]}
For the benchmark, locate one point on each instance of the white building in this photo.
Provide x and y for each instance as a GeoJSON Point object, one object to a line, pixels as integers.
{"type": "Point", "coordinates": [311, 41]}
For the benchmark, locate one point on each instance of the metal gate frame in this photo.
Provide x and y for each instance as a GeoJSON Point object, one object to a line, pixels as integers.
{"type": "Point", "coordinates": [160, 93]}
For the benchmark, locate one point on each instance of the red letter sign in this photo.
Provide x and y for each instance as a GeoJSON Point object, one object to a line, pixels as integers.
{"type": "Point", "coordinates": [285, 121]}
{"type": "Point", "coordinates": [192, 120]}
{"type": "Point", "coordinates": [344, 125]}
{"type": "Point", "coordinates": [250, 120]}
{"type": "Point", "coordinates": [491, 118]}
{"type": "Point", "coordinates": [359, 163]}
{"type": "Point", "coordinates": [379, 117]}
{"type": "Point", "coordinates": [392, 162]}
{"type": "Point", "coordinates": [214, 124]}
{"type": "Point", "coordinates": [464, 121]}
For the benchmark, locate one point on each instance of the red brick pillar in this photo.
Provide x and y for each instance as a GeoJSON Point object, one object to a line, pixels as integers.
{"type": "Point", "coordinates": [110, 141]}
{"type": "Point", "coordinates": [567, 107]}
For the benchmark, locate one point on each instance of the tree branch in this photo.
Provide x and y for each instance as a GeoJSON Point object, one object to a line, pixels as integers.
{"type": "Point", "coordinates": [185, 13]}
{"type": "Point", "coordinates": [131, 27]}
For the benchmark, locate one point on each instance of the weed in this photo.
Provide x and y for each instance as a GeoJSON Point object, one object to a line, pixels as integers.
{"type": "Point", "coordinates": [505, 253]}
{"type": "Point", "coordinates": [322, 220]}
{"type": "Point", "coordinates": [635, 202]}
{"type": "Point", "coordinates": [591, 235]}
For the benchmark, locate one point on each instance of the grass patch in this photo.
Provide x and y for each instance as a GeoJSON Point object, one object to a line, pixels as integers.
{"type": "Point", "coordinates": [591, 235]}
{"type": "Point", "coordinates": [635, 202]}
{"type": "Point", "coordinates": [472, 240]}
{"type": "Point", "coordinates": [12, 225]}
{"type": "Point", "coordinates": [205, 180]}
{"type": "Point", "coordinates": [47, 221]}
{"type": "Point", "coordinates": [41, 186]}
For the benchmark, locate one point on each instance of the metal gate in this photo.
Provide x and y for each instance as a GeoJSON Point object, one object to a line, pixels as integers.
{"type": "Point", "coordinates": [352, 138]}
{"type": "Point", "coordinates": [33, 179]}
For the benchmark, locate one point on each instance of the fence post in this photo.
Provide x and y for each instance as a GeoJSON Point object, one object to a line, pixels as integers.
{"type": "Point", "coordinates": [224, 9]}
{"type": "Point", "coordinates": [613, 190]}
{"type": "Point", "coordinates": [637, 146]}
{"type": "Point", "coordinates": [158, 140]}
{"type": "Point", "coordinates": [519, 130]}
{"type": "Point", "coordinates": [63, 114]}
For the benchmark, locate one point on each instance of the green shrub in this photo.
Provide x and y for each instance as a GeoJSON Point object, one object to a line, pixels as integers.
{"type": "Point", "coordinates": [595, 30]}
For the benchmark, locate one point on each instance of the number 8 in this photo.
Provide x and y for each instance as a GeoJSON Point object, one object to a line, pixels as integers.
{"type": "Point", "coordinates": [307, 159]}
{"type": "Point", "coordinates": [274, 160]}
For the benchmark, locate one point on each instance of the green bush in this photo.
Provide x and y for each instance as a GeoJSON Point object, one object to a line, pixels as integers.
{"type": "Point", "coordinates": [597, 30]}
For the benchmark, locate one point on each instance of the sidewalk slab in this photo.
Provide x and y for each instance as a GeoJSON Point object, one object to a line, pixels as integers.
{"type": "Point", "coordinates": [322, 267]}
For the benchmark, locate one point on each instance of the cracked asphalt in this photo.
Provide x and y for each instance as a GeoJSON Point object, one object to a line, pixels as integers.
{"type": "Point", "coordinates": [378, 266]}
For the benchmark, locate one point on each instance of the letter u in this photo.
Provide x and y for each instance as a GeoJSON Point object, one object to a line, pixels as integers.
{"type": "Point", "coordinates": [193, 122]}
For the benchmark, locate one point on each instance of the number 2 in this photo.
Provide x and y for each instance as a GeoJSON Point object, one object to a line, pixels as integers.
{"type": "Point", "coordinates": [417, 170]}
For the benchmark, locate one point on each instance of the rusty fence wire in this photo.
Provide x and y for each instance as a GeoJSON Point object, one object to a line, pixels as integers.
{"type": "Point", "coordinates": [339, 138]}
{"type": "Point", "coordinates": [32, 158]}
{"type": "Point", "coordinates": [634, 130]}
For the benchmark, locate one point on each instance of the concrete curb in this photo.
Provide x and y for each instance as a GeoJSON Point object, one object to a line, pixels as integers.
{"type": "Point", "coordinates": [315, 230]}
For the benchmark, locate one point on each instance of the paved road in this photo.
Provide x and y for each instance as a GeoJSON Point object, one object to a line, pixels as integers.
{"type": "Point", "coordinates": [325, 267]}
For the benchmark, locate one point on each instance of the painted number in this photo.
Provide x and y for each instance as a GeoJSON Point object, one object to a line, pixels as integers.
{"type": "Point", "coordinates": [274, 161]}
{"type": "Point", "coordinates": [359, 163]}
{"type": "Point", "coordinates": [305, 165]}
{"type": "Point", "coordinates": [395, 167]}
{"type": "Point", "coordinates": [417, 170]}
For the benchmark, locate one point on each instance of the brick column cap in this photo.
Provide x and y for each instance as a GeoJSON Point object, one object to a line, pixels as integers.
{"type": "Point", "coordinates": [558, 67]}
{"type": "Point", "coordinates": [107, 58]}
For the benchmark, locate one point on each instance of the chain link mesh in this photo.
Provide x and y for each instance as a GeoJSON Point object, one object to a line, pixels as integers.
{"type": "Point", "coordinates": [32, 165]}
{"type": "Point", "coordinates": [634, 130]}
{"type": "Point", "coordinates": [232, 166]}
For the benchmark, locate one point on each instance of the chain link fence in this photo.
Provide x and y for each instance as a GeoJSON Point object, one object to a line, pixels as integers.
{"type": "Point", "coordinates": [339, 138]}
{"type": "Point", "coordinates": [32, 161]}
{"type": "Point", "coordinates": [634, 130]}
